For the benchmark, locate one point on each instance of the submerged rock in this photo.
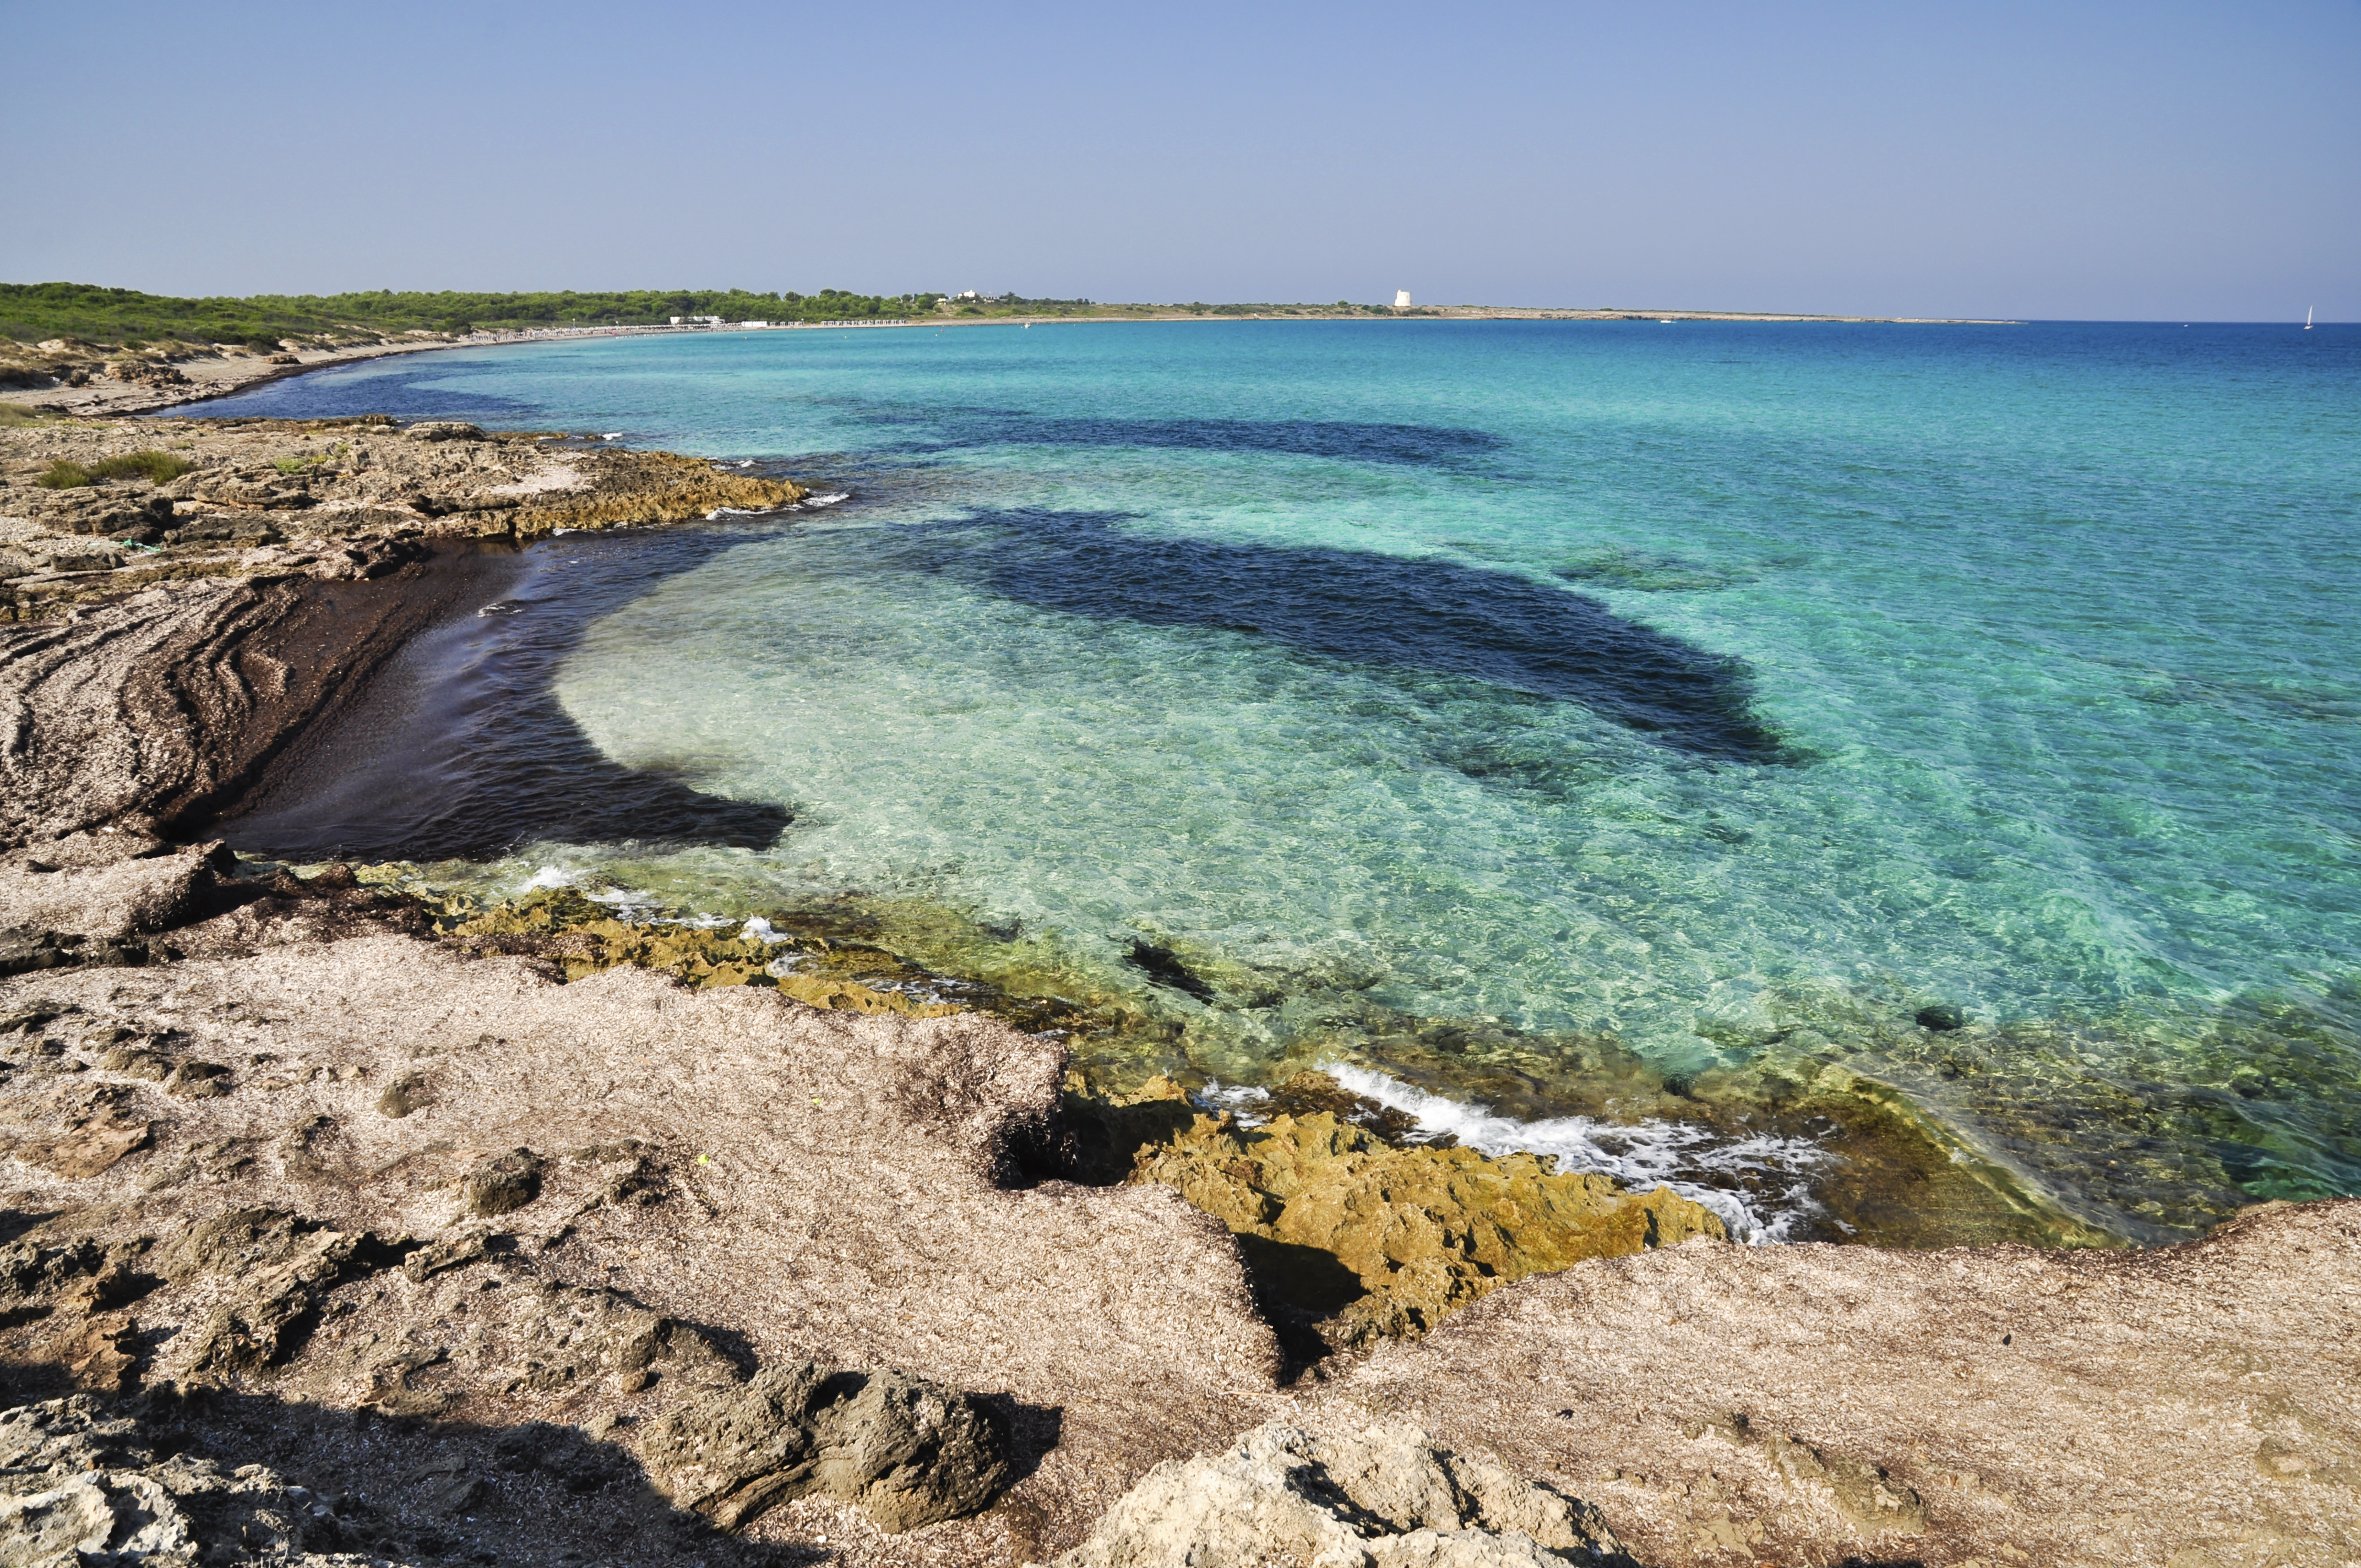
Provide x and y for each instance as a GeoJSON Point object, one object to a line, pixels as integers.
{"type": "Point", "coordinates": [1384, 1497]}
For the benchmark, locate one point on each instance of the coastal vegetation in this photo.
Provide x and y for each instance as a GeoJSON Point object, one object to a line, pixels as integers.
{"type": "Point", "coordinates": [126, 318]}
{"type": "Point", "coordinates": [156, 467]}
{"type": "Point", "coordinates": [34, 312]}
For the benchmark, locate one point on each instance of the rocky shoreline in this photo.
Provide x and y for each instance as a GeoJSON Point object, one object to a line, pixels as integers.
{"type": "Point", "coordinates": [70, 377]}
{"type": "Point", "coordinates": [343, 1226]}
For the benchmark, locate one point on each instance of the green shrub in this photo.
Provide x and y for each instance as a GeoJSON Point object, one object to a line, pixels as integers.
{"type": "Point", "coordinates": [155, 466]}
{"type": "Point", "coordinates": [16, 415]}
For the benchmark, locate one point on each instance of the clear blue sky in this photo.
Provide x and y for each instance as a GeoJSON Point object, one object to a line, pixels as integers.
{"type": "Point", "coordinates": [2158, 160]}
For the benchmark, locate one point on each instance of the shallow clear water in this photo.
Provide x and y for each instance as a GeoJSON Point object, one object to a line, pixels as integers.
{"type": "Point", "coordinates": [1719, 688]}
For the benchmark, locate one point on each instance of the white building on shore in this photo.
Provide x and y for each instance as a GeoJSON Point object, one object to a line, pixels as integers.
{"type": "Point", "coordinates": [1402, 299]}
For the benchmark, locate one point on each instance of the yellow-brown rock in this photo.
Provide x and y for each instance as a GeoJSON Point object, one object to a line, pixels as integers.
{"type": "Point", "coordinates": [569, 930]}
{"type": "Point", "coordinates": [638, 487]}
{"type": "Point", "coordinates": [1387, 1239]}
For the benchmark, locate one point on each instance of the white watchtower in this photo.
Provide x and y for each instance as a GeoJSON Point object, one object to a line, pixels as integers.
{"type": "Point", "coordinates": [1402, 299]}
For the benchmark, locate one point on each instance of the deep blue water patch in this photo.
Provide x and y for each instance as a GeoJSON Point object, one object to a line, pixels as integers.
{"type": "Point", "coordinates": [1419, 614]}
{"type": "Point", "coordinates": [1341, 440]}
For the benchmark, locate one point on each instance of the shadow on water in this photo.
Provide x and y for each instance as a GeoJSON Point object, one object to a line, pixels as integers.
{"type": "Point", "coordinates": [1426, 615]}
{"type": "Point", "coordinates": [462, 751]}
{"type": "Point", "coordinates": [1348, 440]}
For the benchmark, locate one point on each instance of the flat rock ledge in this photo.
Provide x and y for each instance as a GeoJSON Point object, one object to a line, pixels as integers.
{"type": "Point", "coordinates": [1817, 1404]}
{"type": "Point", "coordinates": [526, 1265]}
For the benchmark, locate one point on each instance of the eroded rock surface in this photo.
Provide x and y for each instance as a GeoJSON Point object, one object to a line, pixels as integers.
{"type": "Point", "coordinates": [1386, 1496]}
{"type": "Point", "coordinates": [171, 638]}
{"type": "Point", "coordinates": [1811, 1404]}
{"type": "Point", "coordinates": [909, 1452]}
{"type": "Point", "coordinates": [607, 1201]}
{"type": "Point", "coordinates": [159, 703]}
{"type": "Point", "coordinates": [80, 1488]}
{"type": "Point", "coordinates": [110, 886]}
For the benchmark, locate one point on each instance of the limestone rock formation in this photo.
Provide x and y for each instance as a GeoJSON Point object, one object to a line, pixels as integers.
{"type": "Point", "coordinates": [583, 938]}
{"type": "Point", "coordinates": [1386, 1496]}
{"type": "Point", "coordinates": [330, 500]}
{"type": "Point", "coordinates": [909, 1451]}
{"type": "Point", "coordinates": [78, 1488]}
{"type": "Point", "coordinates": [1812, 1404]}
{"type": "Point", "coordinates": [725, 1184]}
{"type": "Point", "coordinates": [502, 1182]}
{"type": "Point", "coordinates": [110, 886]}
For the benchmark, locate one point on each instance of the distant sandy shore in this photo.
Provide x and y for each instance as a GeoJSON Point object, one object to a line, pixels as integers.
{"type": "Point", "coordinates": [220, 373]}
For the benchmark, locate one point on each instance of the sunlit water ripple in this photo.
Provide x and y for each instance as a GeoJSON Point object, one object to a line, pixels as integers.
{"type": "Point", "coordinates": [1726, 690]}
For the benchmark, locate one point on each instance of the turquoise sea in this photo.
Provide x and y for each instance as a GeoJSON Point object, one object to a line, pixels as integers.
{"type": "Point", "coordinates": [1717, 692]}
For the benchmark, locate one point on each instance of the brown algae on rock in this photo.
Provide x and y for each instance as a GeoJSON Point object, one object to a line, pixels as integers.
{"type": "Point", "coordinates": [1365, 1237]}
{"type": "Point", "coordinates": [642, 487]}
{"type": "Point", "coordinates": [1343, 1222]}
{"type": "Point", "coordinates": [583, 938]}
{"type": "Point", "coordinates": [1357, 1224]}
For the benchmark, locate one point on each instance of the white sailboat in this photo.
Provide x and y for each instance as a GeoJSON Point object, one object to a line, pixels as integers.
{"type": "Point", "coordinates": [2307, 318]}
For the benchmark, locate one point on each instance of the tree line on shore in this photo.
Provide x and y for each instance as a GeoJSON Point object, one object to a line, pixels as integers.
{"type": "Point", "coordinates": [32, 312]}
{"type": "Point", "coordinates": [35, 313]}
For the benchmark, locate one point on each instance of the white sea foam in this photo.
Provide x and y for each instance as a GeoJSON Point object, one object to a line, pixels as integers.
{"type": "Point", "coordinates": [1238, 1100]}
{"type": "Point", "coordinates": [548, 877]}
{"type": "Point", "coordinates": [627, 904]}
{"type": "Point", "coordinates": [1775, 1173]}
{"type": "Point", "coordinates": [758, 929]}
{"type": "Point", "coordinates": [826, 500]}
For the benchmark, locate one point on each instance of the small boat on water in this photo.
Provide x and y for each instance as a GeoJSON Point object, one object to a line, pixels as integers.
{"type": "Point", "coordinates": [2307, 318]}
